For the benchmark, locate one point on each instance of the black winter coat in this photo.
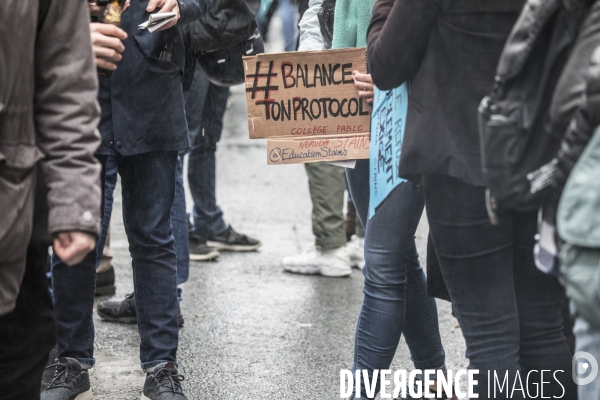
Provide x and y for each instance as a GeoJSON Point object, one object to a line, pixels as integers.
{"type": "Point", "coordinates": [225, 24]}
{"type": "Point", "coordinates": [576, 103]}
{"type": "Point", "coordinates": [448, 51]}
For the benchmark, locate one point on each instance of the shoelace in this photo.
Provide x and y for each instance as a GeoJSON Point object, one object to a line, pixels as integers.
{"type": "Point", "coordinates": [166, 381]}
{"type": "Point", "coordinates": [62, 376]}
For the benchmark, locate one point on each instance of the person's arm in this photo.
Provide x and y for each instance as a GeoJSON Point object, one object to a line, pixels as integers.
{"type": "Point", "coordinates": [310, 29]}
{"type": "Point", "coordinates": [66, 116]}
{"type": "Point", "coordinates": [397, 39]}
{"type": "Point", "coordinates": [187, 10]}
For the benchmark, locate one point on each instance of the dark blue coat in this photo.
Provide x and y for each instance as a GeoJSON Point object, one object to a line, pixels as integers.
{"type": "Point", "coordinates": [142, 104]}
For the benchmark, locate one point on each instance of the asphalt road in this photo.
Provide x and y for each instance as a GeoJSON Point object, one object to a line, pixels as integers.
{"type": "Point", "coordinates": [251, 330]}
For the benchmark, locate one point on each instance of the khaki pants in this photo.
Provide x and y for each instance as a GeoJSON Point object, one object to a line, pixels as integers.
{"type": "Point", "coordinates": [327, 184]}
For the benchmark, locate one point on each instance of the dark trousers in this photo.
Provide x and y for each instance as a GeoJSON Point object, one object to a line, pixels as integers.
{"type": "Point", "coordinates": [28, 333]}
{"type": "Point", "coordinates": [508, 310]}
{"type": "Point", "coordinates": [205, 105]}
{"type": "Point", "coordinates": [178, 217]}
{"type": "Point", "coordinates": [148, 188]}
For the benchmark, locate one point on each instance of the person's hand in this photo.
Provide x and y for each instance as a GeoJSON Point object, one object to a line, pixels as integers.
{"type": "Point", "coordinates": [365, 86]}
{"type": "Point", "coordinates": [107, 45]}
{"type": "Point", "coordinates": [166, 6]}
{"type": "Point", "coordinates": [72, 247]}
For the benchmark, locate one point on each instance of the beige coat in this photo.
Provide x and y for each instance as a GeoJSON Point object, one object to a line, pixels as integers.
{"type": "Point", "coordinates": [48, 113]}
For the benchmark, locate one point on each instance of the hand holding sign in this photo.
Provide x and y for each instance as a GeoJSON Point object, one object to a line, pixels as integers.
{"type": "Point", "coordinates": [364, 84]}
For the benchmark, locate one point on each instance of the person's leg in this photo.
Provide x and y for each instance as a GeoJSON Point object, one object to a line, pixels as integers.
{"type": "Point", "coordinates": [180, 228]}
{"type": "Point", "coordinates": [105, 273]}
{"type": "Point", "coordinates": [476, 260]}
{"type": "Point", "coordinates": [148, 186]}
{"type": "Point", "coordinates": [329, 256]}
{"type": "Point", "coordinates": [27, 334]}
{"type": "Point", "coordinates": [395, 300]}
{"type": "Point", "coordinates": [209, 225]}
{"type": "Point", "coordinates": [539, 300]}
{"type": "Point", "coordinates": [587, 339]}
{"type": "Point", "coordinates": [73, 291]}
{"type": "Point", "coordinates": [287, 13]}
{"type": "Point", "coordinates": [207, 123]}
{"type": "Point", "coordinates": [326, 183]}
{"type": "Point", "coordinates": [110, 182]}
{"type": "Point", "coordinates": [124, 311]}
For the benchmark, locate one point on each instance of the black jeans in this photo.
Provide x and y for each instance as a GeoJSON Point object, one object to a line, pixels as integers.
{"type": "Point", "coordinates": [28, 333]}
{"type": "Point", "coordinates": [509, 311]}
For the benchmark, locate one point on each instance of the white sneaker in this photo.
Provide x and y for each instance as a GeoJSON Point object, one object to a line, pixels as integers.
{"type": "Point", "coordinates": [326, 262]}
{"type": "Point", "coordinates": [356, 251]}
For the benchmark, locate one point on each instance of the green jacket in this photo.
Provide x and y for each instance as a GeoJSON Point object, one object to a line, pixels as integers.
{"type": "Point", "coordinates": [578, 223]}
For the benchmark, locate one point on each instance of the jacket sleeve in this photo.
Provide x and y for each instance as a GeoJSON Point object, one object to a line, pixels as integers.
{"type": "Point", "coordinates": [310, 29]}
{"type": "Point", "coordinates": [66, 117]}
{"type": "Point", "coordinates": [579, 132]}
{"type": "Point", "coordinates": [397, 39]}
{"type": "Point", "coordinates": [191, 10]}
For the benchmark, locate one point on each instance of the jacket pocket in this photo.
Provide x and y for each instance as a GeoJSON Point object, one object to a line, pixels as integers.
{"type": "Point", "coordinates": [164, 47]}
{"type": "Point", "coordinates": [16, 192]}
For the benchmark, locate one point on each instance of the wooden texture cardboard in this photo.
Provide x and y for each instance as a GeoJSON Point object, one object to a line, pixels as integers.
{"type": "Point", "coordinates": [302, 95]}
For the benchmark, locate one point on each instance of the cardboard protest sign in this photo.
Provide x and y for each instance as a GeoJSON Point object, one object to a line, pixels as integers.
{"type": "Point", "coordinates": [296, 97]}
{"type": "Point", "coordinates": [387, 133]}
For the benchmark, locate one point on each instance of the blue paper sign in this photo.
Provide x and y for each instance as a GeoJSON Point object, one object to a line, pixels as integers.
{"type": "Point", "coordinates": [388, 121]}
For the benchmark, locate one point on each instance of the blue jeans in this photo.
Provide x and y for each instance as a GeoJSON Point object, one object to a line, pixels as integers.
{"type": "Point", "coordinates": [148, 186]}
{"type": "Point", "coordinates": [205, 105]}
{"type": "Point", "coordinates": [178, 218]}
{"type": "Point", "coordinates": [110, 182]}
{"type": "Point", "coordinates": [508, 310]}
{"type": "Point", "coordinates": [287, 13]}
{"type": "Point", "coordinates": [396, 300]}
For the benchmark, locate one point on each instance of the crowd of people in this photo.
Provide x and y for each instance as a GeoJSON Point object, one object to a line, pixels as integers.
{"type": "Point", "coordinates": [501, 149]}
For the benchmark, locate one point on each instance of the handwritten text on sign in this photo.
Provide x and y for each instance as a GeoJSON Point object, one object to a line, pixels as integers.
{"type": "Point", "coordinates": [330, 148]}
{"type": "Point", "coordinates": [387, 134]}
{"type": "Point", "coordinates": [301, 94]}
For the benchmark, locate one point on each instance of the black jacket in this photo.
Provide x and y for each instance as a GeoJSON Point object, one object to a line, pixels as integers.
{"type": "Point", "coordinates": [448, 50]}
{"type": "Point", "coordinates": [576, 103]}
{"type": "Point", "coordinates": [225, 24]}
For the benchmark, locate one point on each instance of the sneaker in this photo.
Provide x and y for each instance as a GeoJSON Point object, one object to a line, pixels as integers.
{"type": "Point", "coordinates": [70, 382]}
{"type": "Point", "coordinates": [230, 240]}
{"type": "Point", "coordinates": [125, 312]}
{"type": "Point", "coordinates": [105, 280]}
{"type": "Point", "coordinates": [356, 251]}
{"type": "Point", "coordinates": [326, 262]}
{"type": "Point", "coordinates": [164, 383]}
{"type": "Point", "coordinates": [200, 251]}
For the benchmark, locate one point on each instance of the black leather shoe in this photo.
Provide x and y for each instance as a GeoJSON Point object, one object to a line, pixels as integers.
{"type": "Point", "coordinates": [124, 311]}
{"type": "Point", "coordinates": [105, 282]}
